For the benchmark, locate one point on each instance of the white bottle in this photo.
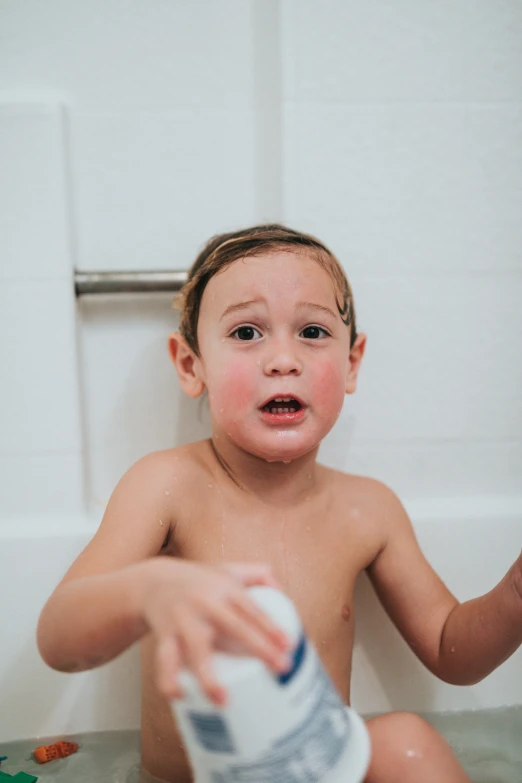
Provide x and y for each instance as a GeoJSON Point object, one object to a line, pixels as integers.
{"type": "Point", "coordinates": [289, 728]}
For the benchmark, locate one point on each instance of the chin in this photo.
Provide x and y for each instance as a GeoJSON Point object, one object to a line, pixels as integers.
{"type": "Point", "coordinates": [283, 451]}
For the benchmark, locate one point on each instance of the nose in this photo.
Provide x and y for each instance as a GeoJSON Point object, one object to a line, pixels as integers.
{"type": "Point", "coordinates": [282, 358]}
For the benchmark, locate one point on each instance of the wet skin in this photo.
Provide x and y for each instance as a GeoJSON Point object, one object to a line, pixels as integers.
{"type": "Point", "coordinates": [316, 547]}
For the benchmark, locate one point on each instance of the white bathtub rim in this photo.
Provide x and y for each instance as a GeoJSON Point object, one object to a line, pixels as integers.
{"type": "Point", "coordinates": [495, 508]}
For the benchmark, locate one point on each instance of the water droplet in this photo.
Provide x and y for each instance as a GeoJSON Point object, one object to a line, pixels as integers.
{"type": "Point", "coordinates": [161, 521]}
{"type": "Point", "coordinates": [210, 485]}
{"type": "Point", "coordinates": [452, 649]}
{"type": "Point", "coordinates": [167, 492]}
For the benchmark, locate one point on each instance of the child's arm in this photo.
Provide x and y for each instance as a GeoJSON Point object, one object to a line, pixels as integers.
{"type": "Point", "coordinates": [118, 589]}
{"type": "Point", "coordinates": [460, 643]}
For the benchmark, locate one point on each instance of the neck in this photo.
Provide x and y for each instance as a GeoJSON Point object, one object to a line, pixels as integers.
{"type": "Point", "coordinates": [278, 483]}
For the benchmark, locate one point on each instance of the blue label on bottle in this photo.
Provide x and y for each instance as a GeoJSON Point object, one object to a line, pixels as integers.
{"type": "Point", "coordinates": [297, 659]}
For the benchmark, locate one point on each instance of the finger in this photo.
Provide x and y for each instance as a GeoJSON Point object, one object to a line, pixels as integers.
{"type": "Point", "coordinates": [248, 638]}
{"type": "Point", "coordinates": [251, 574]}
{"type": "Point", "coordinates": [197, 649]}
{"type": "Point", "coordinates": [261, 621]}
{"type": "Point", "coordinates": [168, 661]}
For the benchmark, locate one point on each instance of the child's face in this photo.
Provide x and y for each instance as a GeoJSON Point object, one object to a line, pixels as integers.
{"type": "Point", "coordinates": [269, 328]}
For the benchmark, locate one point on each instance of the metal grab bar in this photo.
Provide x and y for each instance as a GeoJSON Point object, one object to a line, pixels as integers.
{"type": "Point", "coordinates": [153, 281]}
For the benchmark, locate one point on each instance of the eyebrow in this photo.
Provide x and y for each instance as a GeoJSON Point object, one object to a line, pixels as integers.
{"type": "Point", "coordinates": [234, 308]}
{"type": "Point", "coordinates": [315, 306]}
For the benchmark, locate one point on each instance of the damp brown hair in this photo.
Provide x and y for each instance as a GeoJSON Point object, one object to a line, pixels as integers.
{"type": "Point", "coordinates": [224, 249]}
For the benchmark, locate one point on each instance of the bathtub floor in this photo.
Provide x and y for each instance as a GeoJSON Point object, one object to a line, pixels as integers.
{"type": "Point", "coordinates": [488, 743]}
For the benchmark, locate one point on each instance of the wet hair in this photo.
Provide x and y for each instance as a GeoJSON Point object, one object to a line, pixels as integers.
{"type": "Point", "coordinates": [224, 249]}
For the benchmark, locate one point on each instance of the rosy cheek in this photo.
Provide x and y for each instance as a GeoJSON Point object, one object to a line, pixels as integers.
{"type": "Point", "coordinates": [328, 384]}
{"type": "Point", "coordinates": [237, 385]}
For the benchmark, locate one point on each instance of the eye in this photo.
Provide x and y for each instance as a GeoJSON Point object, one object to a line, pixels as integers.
{"type": "Point", "coordinates": [245, 333]}
{"type": "Point", "coordinates": [314, 333]}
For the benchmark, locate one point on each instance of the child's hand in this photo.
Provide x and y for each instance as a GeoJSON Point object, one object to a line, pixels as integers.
{"type": "Point", "coordinates": [194, 610]}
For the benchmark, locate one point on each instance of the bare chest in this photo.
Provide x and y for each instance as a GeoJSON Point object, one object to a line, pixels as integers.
{"type": "Point", "coordinates": [315, 555]}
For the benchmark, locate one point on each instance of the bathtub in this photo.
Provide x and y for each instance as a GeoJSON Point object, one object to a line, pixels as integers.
{"type": "Point", "coordinates": [471, 542]}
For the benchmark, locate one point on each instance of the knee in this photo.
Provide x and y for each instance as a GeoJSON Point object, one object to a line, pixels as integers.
{"type": "Point", "coordinates": [408, 725]}
{"type": "Point", "coordinates": [401, 736]}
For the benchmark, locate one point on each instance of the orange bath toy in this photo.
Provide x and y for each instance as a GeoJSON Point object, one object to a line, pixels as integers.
{"type": "Point", "coordinates": [56, 751]}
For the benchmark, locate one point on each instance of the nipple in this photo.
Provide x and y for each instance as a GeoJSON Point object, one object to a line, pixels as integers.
{"type": "Point", "coordinates": [346, 613]}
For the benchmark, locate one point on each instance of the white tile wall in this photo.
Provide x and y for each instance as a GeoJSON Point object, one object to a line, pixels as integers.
{"type": "Point", "coordinates": [34, 241]}
{"type": "Point", "coordinates": [41, 444]}
{"type": "Point", "coordinates": [344, 50]}
{"type": "Point", "coordinates": [38, 359]}
{"type": "Point", "coordinates": [441, 357]}
{"type": "Point", "coordinates": [151, 186]}
{"type": "Point", "coordinates": [130, 53]}
{"type": "Point", "coordinates": [408, 187]}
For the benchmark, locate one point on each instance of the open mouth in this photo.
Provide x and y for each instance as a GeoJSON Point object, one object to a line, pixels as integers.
{"type": "Point", "coordinates": [281, 405]}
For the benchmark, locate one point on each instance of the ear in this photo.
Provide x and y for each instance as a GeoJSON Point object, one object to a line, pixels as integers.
{"type": "Point", "coordinates": [354, 363]}
{"type": "Point", "coordinates": [187, 364]}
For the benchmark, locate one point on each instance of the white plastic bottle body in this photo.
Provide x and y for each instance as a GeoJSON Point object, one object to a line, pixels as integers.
{"type": "Point", "coordinates": [288, 728]}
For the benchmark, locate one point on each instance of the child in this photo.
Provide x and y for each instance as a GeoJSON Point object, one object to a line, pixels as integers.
{"type": "Point", "coordinates": [268, 329]}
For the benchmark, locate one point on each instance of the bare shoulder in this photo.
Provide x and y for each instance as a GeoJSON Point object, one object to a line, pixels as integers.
{"type": "Point", "coordinates": [373, 493]}
{"type": "Point", "coordinates": [162, 470]}
{"type": "Point", "coordinates": [163, 480]}
{"type": "Point", "coordinates": [142, 512]}
{"type": "Point", "coordinates": [375, 503]}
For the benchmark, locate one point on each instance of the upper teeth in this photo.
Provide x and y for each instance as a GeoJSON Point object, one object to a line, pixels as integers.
{"type": "Point", "coordinates": [282, 399]}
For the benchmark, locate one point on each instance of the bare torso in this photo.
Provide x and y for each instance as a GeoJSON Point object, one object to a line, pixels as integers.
{"type": "Point", "coordinates": [316, 547]}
